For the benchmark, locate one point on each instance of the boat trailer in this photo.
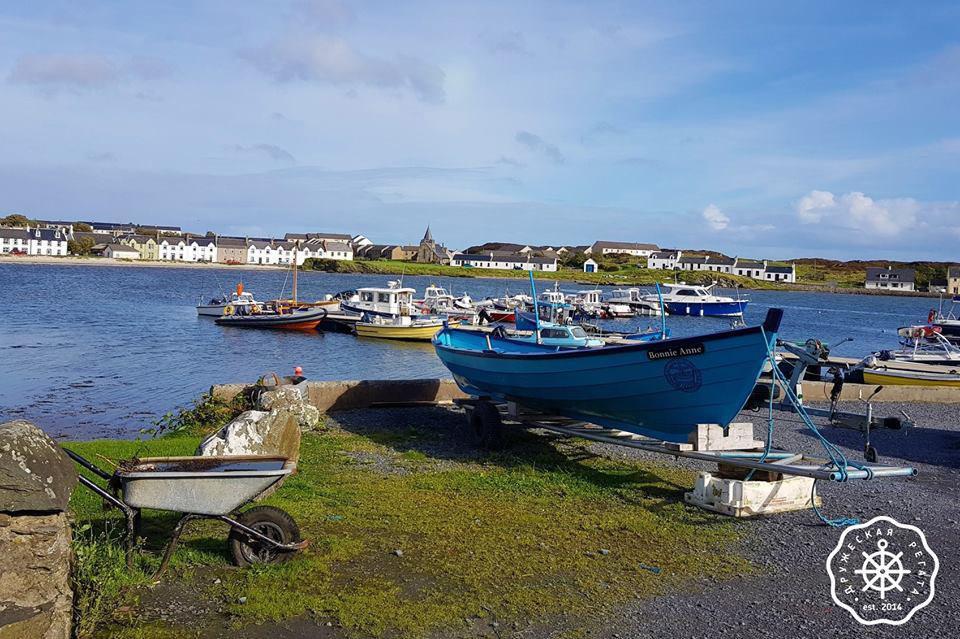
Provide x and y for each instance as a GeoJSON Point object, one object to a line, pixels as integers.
{"type": "Point", "coordinates": [787, 479]}
{"type": "Point", "coordinates": [814, 353]}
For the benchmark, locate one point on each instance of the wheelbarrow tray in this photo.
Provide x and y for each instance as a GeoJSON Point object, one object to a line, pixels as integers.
{"type": "Point", "coordinates": [199, 485]}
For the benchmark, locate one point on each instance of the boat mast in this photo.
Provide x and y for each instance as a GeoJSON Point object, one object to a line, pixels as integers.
{"type": "Point", "coordinates": [536, 308]}
{"type": "Point", "coordinates": [295, 247]}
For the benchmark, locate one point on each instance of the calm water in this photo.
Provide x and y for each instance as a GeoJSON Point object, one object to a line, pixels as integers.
{"type": "Point", "coordinates": [92, 351]}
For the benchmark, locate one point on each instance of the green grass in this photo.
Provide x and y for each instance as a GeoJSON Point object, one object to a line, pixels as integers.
{"type": "Point", "coordinates": [515, 536]}
{"type": "Point", "coordinates": [627, 274]}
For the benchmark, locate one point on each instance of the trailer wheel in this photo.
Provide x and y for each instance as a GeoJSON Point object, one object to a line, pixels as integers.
{"type": "Point", "coordinates": [270, 522]}
{"type": "Point", "coordinates": [485, 428]}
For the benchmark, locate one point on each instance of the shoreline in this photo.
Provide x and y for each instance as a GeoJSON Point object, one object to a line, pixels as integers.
{"type": "Point", "coordinates": [361, 268]}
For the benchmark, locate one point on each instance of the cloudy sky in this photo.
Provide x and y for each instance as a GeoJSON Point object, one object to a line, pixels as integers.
{"type": "Point", "coordinates": [766, 129]}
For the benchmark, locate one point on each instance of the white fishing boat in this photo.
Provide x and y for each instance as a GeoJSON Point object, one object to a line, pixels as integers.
{"type": "Point", "coordinates": [633, 298]}
{"type": "Point", "coordinates": [922, 345]}
{"type": "Point", "coordinates": [240, 300]}
{"type": "Point", "coordinates": [392, 301]}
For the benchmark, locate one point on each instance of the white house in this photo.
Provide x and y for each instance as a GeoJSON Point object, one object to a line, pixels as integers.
{"type": "Point", "coordinates": [602, 247]}
{"type": "Point", "coordinates": [47, 241]}
{"type": "Point", "coordinates": [200, 249]}
{"type": "Point", "coordinates": [589, 266]}
{"type": "Point", "coordinates": [172, 249]}
{"type": "Point", "coordinates": [511, 262]}
{"type": "Point", "coordinates": [665, 260]}
{"type": "Point", "coordinates": [780, 273]}
{"type": "Point", "coordinates": [262, 251]}
{"type": "Point", "coordinates": [121, 252]}
{"type": "Point", "coordinates": [900, 279]}
{"type": "Point", "coordinates": [14, 240]}
{"type": "Point", "coordinates": [692, 263]}
{"type": "Point", "coordinates": [749, 268]}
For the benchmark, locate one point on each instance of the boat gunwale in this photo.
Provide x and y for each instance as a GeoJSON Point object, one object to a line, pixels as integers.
{"type": "Point", "coordinates": [770, 326]}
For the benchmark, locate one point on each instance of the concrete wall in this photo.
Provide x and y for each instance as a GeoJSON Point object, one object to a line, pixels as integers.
{"type": "Point", "coordinates": [820, 392]}
{"type": "Point", "coordinates": [347, 395]}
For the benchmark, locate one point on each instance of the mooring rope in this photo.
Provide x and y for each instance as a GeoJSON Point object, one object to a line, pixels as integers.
{"type": "Point", "coordinates": [837, 457]}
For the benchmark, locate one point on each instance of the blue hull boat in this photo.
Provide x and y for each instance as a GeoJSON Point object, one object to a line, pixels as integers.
{"type": "Point", "coordinates": [660, 389]}
{"type": "Point", "coordinates": [707, 309]}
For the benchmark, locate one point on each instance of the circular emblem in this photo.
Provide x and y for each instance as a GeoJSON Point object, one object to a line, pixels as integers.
{"type": "Point", "coordinates": [683, 375]}
{"type": "Point", "coordinates": [882, 571]}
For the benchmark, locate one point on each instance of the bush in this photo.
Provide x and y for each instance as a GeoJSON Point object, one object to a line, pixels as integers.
{"type": "Point", "coordinates": [206, 415]}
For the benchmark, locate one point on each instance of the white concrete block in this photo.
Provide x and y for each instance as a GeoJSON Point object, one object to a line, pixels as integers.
{"type": "Point", "coordinates": [739, 498]}
{"type": "Point", "coordinates": [739, 436]}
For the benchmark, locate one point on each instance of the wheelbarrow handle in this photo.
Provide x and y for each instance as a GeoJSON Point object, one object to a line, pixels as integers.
{"type": "Point", "coordinates": [89, 465]}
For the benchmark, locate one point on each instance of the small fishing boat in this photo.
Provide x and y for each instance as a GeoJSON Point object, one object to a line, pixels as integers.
{"type": "Point", "coordinates": [306, 319]}
{"type": "Point", "coordinates": [402, 327]}
{"type": "Point", "coordinates": [660, 389]}
{"type": "Point", "coordinates": [875, 373]}
{"type": "Point", "coordinates": [392, 301]}
{"type": "Point", "coordinates": [690, 299]}
{"type": "Point", "coordinates": [635, 299]}
{"type": "Point", "coordinates": [922, 345]}
{"type": "Point", "coordinates": [948, 321]}
{"type": "Point", "coordinates": [238, 299]}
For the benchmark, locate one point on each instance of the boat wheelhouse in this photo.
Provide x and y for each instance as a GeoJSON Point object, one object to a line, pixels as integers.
{"type": "Point", "coordinates": [238, 299]}
{"type": "Point", "coordinates": [391, 301]}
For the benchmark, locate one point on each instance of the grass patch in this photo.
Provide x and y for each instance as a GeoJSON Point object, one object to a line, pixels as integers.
{"type": "Point", "coordinates": [513, 537]}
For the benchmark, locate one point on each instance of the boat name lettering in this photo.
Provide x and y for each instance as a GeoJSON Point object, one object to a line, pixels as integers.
{"type": "Point", "coordinates": [676, 351]}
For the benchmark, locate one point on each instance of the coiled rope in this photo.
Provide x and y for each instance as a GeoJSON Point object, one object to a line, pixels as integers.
{"type": "Point", "coordinates": [837, 457]}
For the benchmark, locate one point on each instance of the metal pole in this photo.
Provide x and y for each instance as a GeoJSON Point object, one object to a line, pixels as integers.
{"type": "Point", "coordinates": [663, 313]}
{"type": "Point", "coordinates": [536, 308]}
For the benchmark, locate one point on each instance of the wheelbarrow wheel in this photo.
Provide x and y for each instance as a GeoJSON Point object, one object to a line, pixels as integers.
{"type": "Point", "coordinates": [270, 522]}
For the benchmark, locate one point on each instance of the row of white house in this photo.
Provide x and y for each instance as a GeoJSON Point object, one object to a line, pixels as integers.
{"type": "Point", "coordinates": [33, 241]}
{"type": "Point", "coordinates": [516, 261]}
{"type": "Point", "coordinates": [677, 261]}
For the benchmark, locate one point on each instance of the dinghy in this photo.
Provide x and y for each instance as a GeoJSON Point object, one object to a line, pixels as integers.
{"type": "Point", "coordinates": [662, 389]}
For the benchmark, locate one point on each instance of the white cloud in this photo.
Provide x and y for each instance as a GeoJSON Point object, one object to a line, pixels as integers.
{"type": "Point", "coordinates": [715, 217]}
{"type": "Point", "coordinates": [331, 60]}
{"type": "Point", "coordinates": [811, 207]}
{"type": "Point", "coordinates": [858, 212]}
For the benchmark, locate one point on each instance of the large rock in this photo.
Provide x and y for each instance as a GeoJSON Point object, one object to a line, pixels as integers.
{"type": "Point", "coordinates": [292, 399]}
{"type": "Point", "coordinates": [274, 433]}
{"type": "Point", "coordinates": [35, 474]}
{"type": "Point", "coordinates": [35, 596]}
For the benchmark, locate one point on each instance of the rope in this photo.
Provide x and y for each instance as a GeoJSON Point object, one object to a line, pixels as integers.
{"type": "Point", "coordinates": [837, 458]}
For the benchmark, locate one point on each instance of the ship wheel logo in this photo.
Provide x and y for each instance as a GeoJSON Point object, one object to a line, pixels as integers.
{"type": "Point", "coordinates": [882, 572]}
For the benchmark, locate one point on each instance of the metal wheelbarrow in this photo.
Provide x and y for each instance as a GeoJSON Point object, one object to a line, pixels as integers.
{"type": "Point", "coordinates": [204, 488]}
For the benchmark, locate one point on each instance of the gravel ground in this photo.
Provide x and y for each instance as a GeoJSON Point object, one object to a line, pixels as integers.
{"type": "Point", "coordinates": [791, 595]}
{"type": "Point", "coordinates": [793, 598]}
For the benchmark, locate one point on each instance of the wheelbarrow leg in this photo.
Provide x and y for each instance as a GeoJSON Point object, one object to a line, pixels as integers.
{"type": "Point", "coordinates": [132, 516]}
{"type": "Point", "coordinates": [172, 545]}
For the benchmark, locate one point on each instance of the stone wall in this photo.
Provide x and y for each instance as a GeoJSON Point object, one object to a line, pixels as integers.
{"type": "Point", "coordinates": [348, 395]}
{"type": "Point", "coordinates": [36, 480]}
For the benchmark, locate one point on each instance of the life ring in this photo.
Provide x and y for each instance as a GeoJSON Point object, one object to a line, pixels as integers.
{"type": "Point", "coordinates": [229, 309]}
{"type": "Point", "coordinates": [255, 309]}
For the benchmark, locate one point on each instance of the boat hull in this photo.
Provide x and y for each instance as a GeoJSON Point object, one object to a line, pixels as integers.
{"type": "Point", "coordinates": [659, 389]}
{"type": "Point", "coordinates": [407, 333]}
{"type": "Point", "coordinates": [707, 309]}
{"type": "Point", "coordinates": [909, 378]}
{"type": "Point", "coordinates": [299, 321]}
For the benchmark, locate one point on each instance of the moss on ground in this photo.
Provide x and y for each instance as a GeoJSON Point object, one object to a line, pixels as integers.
{"type": "Point", "coordinates": [530, 535]}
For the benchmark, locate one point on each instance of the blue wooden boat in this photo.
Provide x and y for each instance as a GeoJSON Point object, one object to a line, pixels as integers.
{"type": "Point", "coordinates": [660, 389]}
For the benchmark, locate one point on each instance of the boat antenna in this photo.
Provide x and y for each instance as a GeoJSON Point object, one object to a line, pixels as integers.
{"type": "Point", "coordinates": [536, 308]}
{"type": "Point", "coordinates": [663, 313]}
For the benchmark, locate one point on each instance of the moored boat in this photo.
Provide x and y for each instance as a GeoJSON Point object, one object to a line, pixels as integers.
{"type": "Point", "coordinates": [237, 299]}
{"type": "Point", "coordinates": [392, 301]}
{"type": "Point", "coordinates": [691, 299]}
{"type": "Point", "coordinates": [882, 375]}
{"type": "Point", "coordinates": [660, 389]}
{"type": "Point", "coordinates": [297, 319]}
{"type": "Point", "coordinates": [401, 327]}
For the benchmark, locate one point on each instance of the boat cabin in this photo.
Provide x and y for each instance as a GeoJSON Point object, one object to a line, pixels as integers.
{"type": "Point", "coordinates": [384, 301]}
{"type": "Point", "coordinates": [625, 296]}
{"type": "Point", "coordinates": [553, 297]}
{"type": "Point", "coordinates": [589, 298]}
{"type": "Point", "coordinates": [566, 337]}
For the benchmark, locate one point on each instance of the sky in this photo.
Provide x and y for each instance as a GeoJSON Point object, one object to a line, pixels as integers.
{"type": "Point", "coordinates": [762, 129]}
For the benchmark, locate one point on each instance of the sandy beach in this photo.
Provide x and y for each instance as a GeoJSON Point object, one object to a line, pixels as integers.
{"type": "Point", "coordinates": [73, 260]}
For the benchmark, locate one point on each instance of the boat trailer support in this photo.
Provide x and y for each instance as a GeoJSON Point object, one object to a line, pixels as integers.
{"type": "Point", "coordinates": [777, 461]}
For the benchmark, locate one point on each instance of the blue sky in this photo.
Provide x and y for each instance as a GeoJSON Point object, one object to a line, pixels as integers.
{"type": "Point", "coordinates": [765, 129]}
